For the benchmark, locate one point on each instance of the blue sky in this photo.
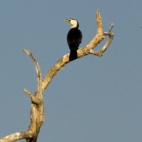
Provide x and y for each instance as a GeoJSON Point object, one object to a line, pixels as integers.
{"type": "Point", "coordinates": [92, 98]}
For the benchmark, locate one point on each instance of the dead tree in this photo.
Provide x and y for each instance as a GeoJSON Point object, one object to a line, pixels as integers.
{"type": "Point", "coordinates": [37, 103]}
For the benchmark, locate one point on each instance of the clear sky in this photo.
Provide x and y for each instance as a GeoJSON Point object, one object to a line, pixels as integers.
{"type": "Point", "coordinates": [92, 99]}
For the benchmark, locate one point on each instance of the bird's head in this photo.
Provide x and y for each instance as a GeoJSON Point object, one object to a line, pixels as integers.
{"type": "Point", "coordinates": [73, 22]}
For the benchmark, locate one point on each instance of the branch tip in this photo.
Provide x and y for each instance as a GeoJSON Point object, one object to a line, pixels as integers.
{"type": "Point", "coordinates": [98, 11]}
{"type": "Point", "coordinates": [112, 25]}
{"type": "Point", "coordinates": [26, 51]}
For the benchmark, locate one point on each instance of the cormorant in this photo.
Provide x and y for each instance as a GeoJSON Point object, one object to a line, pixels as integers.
{"type": "Point", "coordinates": [74, 38]}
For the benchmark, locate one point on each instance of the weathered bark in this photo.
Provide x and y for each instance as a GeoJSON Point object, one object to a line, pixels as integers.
{"type": "Point", "coordinates": [37, 104]}
{"type": "Point", "coordinates": [88, 49]}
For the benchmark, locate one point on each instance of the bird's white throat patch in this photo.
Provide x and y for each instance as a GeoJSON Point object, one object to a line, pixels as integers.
{"type": "Point", "coordinates": [73, 23]}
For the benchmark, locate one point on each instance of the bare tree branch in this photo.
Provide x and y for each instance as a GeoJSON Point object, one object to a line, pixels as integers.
{"type": "Point", "coordinates": [37, 104]}
{"type": "Point", "coordinates": [33, 97]}
{"type": "Point", "coordinates": [39, 75]}
{"type": "Point", "coordinates": [16, 136]}
{"type": "Point", "coordinates": [100, 52]}
{"type": "Point", "coordinates": [88, 49]}
{"type": "Point", "coordinates": [37, 110]}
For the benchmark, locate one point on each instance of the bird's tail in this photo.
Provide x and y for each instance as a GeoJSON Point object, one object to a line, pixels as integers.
{"type": "Point", "coordinates": [73, 55]}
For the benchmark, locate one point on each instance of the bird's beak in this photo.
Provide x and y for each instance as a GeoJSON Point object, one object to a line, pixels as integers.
{"type": "Point", "coordinates": [66, 20]}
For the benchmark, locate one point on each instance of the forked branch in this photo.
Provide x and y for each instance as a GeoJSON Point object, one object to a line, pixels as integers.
{"type": "Point", "coordinates": [37, 105]}
{"type": "Point", "coordinates": [88, 49]}
{"type": "Point", "coordinates": [37, 110]}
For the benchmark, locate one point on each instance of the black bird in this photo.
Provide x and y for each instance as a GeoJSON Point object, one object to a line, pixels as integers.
{"type": "Point", "coordinates": [74, 38]}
